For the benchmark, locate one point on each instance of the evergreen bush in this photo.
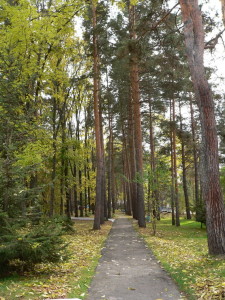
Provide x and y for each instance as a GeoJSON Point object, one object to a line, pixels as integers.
{"type": "Point", "coordinates": [66, 223]}
{"type": "Point", "coordinates": [43, 243]}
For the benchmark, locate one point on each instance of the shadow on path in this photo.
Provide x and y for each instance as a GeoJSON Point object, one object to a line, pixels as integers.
{"type": "Point", "coordinates": [128, 271]}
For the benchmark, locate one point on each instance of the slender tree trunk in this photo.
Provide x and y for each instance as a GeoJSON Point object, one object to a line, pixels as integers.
{"type": "Point", "coordinates": [104, 214]}
{"type": "Point", "coordinates": [81, 206]}
{"type": "Point", "coordinates": [176, 195]}
{"type": "Point", "coordinates": [63, 164]}
{"type": "Point", "coordinates": [74, 173]}
{"type": "Point", "coordinates": [52, 196]}
{"type": "Point", "coordinates": [172, 166]}
{"type": "Point", "coordinates": [110, 170]}
{"type": "Point", "coordinates": [149, 195]}
{"type": "Point", "coordinates": [211, 189]}
{"type": "Point", "coordinates": [89, 190]}
{"type": "Point", "coordinates": [113, 181]}
{"type": "Point", "coordinates": [99, 154]}
{"type": "Point", "coordinates": [85, 168]}
{"type": "Point", "coordinates": [155, 192]}
{"type": "Point", "coordinates": [196, 164]}
{"type": "Point", "coordinates": [131, 150]}
{"type": "Point", "coordinates": [67, 189]}
{"type": "Point", "coordinates": [127, 175]}
{"type": "Point", "coordinates": [185, 188]}
{"type": "Point", "coordinates": [134, 73]}
{"type": "Point", "coordinates": [85, 193]}
{"type": "Point", "coordinates": [63, 167]}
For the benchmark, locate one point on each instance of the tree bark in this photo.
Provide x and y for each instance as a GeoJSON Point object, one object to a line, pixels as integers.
{"type": "Point", "coordinates": [63, 162]}
{"type": "Point", "coordinates": [184, 173]}
{"type": "Point", "coordinates": [99, 154]}
{"type": "Point", "coordinates": [195, 156]}
{"type": "Point", "coordinates": [104, 208]}
{"type": "Point", "coordinates": [131, 151]}
{"type": "Point", "coordinates": [53, 175]}
{"type": "Point", "coordinates": [172, 167]}
{"type": "Point", "coordinates": [110, 167]}
{"type": "Point", "coordinates": [127, 174]}
{"type": "Point", "coordinates": [155, 192]}
{"type": "Point", "coordinates": [211, 189]}
{"type": "Point", "coordinates": [174, 149]}
{"type": "Point", "coordinates": [134, 74]}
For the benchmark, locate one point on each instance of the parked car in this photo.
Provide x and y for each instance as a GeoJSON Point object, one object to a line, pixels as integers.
{"type": "Point", "coordinates": [165, 210]}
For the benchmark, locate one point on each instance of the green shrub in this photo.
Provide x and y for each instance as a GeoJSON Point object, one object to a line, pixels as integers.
{"type": "Point", "coordinates": [66, 223]}
{"type": "Point", "coordinates": [43, 243]}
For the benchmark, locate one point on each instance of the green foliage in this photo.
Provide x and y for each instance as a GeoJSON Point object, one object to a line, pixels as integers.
{"type": "Point", "coordinates": [42, 243]}
{"type": "Point", "coordinates": [201, 213]}
{"type": "Point", "coordinates": [64, 222]}
{"type": "Point", "coordinates": [5, 227]}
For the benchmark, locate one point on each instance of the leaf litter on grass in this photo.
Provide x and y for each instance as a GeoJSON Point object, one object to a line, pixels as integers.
{"type": "Point", "coordinates": [183, 253]}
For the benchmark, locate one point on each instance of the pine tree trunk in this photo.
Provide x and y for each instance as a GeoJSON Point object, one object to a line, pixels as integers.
{"type": "Point", "coordinates": [104, 214]}
{"type": "Point", "coordinates": [113, 181]}
{"type": "Point", "coordinates": [99, 154]}
{"type": "Point", "coordinates": [131, 151]}
{"type": "Point", "coordinates": [126, 172]}
{"type": "Point", "coordinates": [110, 160]}
{"type": "Point", "coordinates": [85, 168]}
{"type": "Point", "coordinates": [211, 189]}
{"type": "Point", "coordinates": [134, 75]}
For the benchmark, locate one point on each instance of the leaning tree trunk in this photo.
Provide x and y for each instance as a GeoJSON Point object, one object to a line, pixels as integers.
{"type": "Point", "coordinates": [211, 189]}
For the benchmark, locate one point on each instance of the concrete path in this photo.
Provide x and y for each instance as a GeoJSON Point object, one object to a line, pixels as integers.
{"type": "Point", "coordinates": [128, 271]}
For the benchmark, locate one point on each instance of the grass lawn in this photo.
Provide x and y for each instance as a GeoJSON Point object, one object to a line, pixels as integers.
{"type": "Point", "coordinates": [66, 279]}
{"type": "Point", "coordinates": [183, 252]}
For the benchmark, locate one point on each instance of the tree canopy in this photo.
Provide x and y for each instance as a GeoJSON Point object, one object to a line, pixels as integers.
{"type": "Point", "coordinates": [106, 105]}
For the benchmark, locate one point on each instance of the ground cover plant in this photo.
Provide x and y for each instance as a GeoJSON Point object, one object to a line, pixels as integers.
{"type": "Point", "coordinates": [183, 252]}
{"type": "Point", "coordinates": [68, 278]}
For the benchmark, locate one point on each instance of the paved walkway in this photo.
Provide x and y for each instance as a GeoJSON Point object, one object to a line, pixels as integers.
{"type": "Point", "coordinates": [128, 271]}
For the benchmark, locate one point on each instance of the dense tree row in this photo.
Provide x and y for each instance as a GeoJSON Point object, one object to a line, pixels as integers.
{"type": "Point", "coordinates": [104, 115]}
